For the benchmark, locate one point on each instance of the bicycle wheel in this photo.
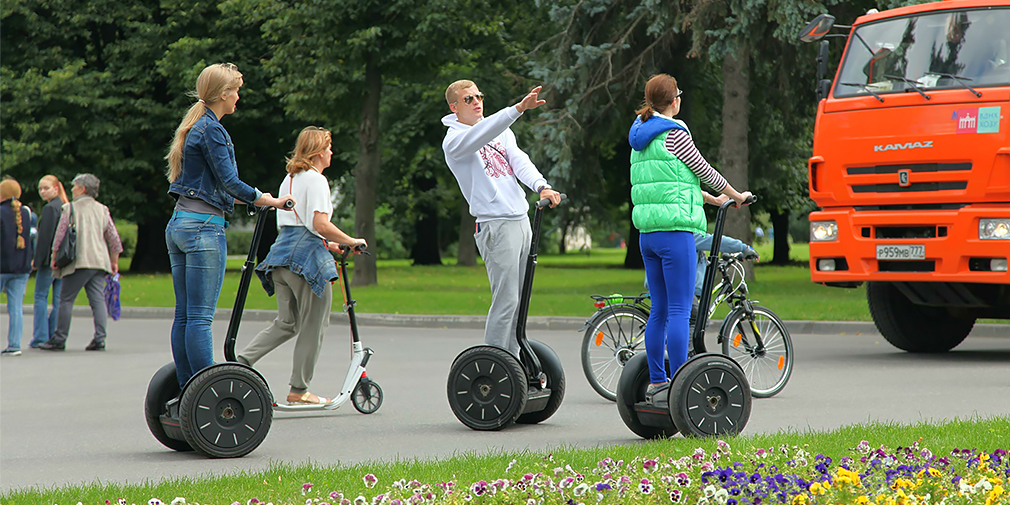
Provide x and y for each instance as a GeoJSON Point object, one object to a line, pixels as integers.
{"type": "Point", "coordinates": [767, 367]}
{"type": "Point", "coordinates": [612, 338]}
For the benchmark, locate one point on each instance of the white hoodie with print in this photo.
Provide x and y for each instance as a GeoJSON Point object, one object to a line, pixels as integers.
{"type": "Point", "coordinates": [486, 162]}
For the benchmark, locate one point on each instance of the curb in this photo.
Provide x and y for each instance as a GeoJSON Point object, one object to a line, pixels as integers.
{"type": "Point", "coordinates": [533, 322]}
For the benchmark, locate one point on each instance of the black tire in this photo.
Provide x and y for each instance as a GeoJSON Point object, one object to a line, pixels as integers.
{"type": "Point", "coordinates": [226, 411]}
{"type": "Point", "coordinates": [767, 369]}
{"type": "Point", "coordinates": [550, 363]}
{"type": "Point", "coordinates": [163, 387]}
{"type": "Point", "coordinates": [367, 396]}
{"type": "Point", "coordinates": [486, 388]}
{"type": "Point", "coordinates": [631, 390]}
{"type": "Point", "coordinates": [911, 327]}
{"type": "Point", "coordinates": [710, 396]}
{"type": "Point", "coordinates": [612, 337]}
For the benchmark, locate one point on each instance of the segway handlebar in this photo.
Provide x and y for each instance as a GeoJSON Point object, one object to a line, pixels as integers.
{"type": "Point", "coordinates": [547, 201]}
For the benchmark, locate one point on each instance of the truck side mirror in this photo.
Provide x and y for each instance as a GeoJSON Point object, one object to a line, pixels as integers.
{"type": "Point", "coordinates": [817, 29]}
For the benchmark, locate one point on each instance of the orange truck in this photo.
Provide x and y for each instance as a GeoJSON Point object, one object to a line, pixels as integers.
{"type": "Point", "coordinates": [911, 168]}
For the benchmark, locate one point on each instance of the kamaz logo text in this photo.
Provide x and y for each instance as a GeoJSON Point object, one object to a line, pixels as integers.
{"type": "Point", "coordinates": [906, 145]}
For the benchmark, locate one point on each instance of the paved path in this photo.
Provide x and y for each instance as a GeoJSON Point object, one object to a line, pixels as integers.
{"type": "Point", "coordinates": [77, 417]}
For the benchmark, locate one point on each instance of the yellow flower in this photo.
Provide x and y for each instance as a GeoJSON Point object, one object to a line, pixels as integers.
{"type": "Point", "coordinates": [933, 472]}
{"type": "Point", "coordinates": [996, 492]}
{"type": "Point", "coordinates": [816, 488]}
{"type": "Point", "coordinates": [862, 500]}
{"type": "Point", "coordinates": [800, 499]}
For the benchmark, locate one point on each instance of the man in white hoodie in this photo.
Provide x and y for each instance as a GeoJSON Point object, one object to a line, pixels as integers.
{"type": "Point", "coordinates": [483, 155]}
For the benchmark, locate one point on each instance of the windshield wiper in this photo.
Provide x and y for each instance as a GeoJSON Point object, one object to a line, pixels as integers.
{"type": "Point", "coordinates": [865, 87]}
{"type": "Point", "coordinates": [959, 81]}
{"type": "Point", "coordinates": [915, 84]}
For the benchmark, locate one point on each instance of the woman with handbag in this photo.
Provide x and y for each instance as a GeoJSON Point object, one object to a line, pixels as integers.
{"type": "Point", "coordinates": [86, 224]}
{"type": "Point", "coordinates": [15, 259]}
{"type": "Point", "coordinates": [203, 179]}
{"type": "Point", "coordinates": [51, 190]}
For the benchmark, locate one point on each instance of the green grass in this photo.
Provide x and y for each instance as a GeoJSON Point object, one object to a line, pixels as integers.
{"type": "Point", "coordinates": [562, 287]}
{"type": "Point", "coordinates": [282, 483]}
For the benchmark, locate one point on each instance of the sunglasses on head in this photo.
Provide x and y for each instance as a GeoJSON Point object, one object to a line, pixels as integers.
{"type": "Point", "coordinates": [468, 99]}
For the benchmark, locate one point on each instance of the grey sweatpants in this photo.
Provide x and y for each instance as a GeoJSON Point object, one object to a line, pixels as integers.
{"type": "Point", "coordinates": [93, 282]}
{"type": "Point", "coordinates": [504, 246]}
{"type": "Point", "coordinates": [299, 312]}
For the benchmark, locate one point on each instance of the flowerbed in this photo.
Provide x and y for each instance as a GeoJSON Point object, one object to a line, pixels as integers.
{"type": "Point", "coordinates": [783, 474]}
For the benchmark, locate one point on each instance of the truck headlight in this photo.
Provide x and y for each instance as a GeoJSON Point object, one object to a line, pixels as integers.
{"type": "Point", "coordinates": [994, 229]}
{"type": "Point", "coordinates": [821, 231]}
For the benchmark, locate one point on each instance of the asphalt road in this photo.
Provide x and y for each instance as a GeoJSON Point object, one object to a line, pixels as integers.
{"type": "Point", "coordinates": [77, 417]}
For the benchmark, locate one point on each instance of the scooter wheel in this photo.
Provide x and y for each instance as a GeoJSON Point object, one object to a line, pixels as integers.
{"type": "Point", "coordinates": [550, 363]}
{"type": "Point", "coordinates": [367, 396]}
{"type": "Point", "coordinates": [631, 390]}
{"type": "Point", "coordinates": [486, 388]}
{"type": "Point", "coordinates": [226, 411]}
{"type": "Point", "coordinates": [710, 395]}
{"type": "Point", "coordinates": [163, 387]}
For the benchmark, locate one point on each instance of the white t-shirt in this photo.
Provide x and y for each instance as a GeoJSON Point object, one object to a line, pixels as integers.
{"type": "Point", "coordinates": [312, 194]}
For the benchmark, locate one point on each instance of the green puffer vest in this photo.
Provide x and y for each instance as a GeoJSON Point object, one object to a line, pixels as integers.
{"type": "Point", "coordinates": [666, 194]}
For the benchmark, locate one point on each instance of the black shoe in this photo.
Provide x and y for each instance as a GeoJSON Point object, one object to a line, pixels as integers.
{"type": "Point", "coordinates": [53, 346]}
{"type": "Point", "coordinates": [95, 346]}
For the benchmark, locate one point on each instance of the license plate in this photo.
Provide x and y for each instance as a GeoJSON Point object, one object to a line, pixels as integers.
{"type": "Point", "coordinates": [901, 252]}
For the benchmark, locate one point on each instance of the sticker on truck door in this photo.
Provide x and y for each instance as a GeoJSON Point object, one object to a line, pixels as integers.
{"type": "Point", "coordinates": [977, 119]}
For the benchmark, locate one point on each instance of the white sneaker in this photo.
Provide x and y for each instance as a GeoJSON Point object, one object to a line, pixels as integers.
{"type": "Point", "coordinates": [11, 352]}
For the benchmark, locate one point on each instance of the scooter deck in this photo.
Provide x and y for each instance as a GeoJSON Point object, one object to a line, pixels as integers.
{"type": "Point", "coordinates": [656, 414]}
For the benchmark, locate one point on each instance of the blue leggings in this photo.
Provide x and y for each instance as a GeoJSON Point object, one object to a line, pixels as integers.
{"type": "Point", "coordinates": [670, 266]}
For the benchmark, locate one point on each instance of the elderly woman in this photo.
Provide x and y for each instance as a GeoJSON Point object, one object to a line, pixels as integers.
{"type": "Point", "coordinates": [98, 248]}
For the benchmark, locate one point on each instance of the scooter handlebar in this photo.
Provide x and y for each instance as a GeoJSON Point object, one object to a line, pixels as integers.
{"type": "Point", "coordinates": [547, 201]}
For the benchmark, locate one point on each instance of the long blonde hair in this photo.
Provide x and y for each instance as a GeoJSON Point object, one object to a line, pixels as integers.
{"type": "Point", "coordinates": [311, 141]}
{"type": "Point", "coordinates": [52, 179]}
{"type": "Point", "coordinates": [9, 188]}
{"type": "Point", "coordinates": [214, 82]}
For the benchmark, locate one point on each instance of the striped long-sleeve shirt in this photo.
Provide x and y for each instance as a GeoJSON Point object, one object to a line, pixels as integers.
{"type": "Point", "coordinates": [679, 144]}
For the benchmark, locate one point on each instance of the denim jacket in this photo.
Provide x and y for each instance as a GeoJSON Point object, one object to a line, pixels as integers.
{"type": "Point", "coordinates": [302, 252]}
{"type": "Point", "coordinates": [209, 171]}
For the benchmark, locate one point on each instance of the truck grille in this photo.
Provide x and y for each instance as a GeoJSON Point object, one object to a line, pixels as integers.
{"type": "Point", "coordinates": [902, 185]}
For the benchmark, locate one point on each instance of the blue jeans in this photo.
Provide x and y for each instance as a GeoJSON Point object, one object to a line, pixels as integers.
{"type": "Point", "coordinates": [14, 285]}
{"type": "Point", "coordinates": [670, 266]}
{"type": "Point", "coordinates": [45, 320]}
{"type": "Point", "coordinates": [197, 250]}
{"type": "Point", "coordinates": [704, 243]}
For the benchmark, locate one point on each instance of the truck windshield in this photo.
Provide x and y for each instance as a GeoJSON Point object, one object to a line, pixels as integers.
{"type": "Point", "coordinates": [948, 49]}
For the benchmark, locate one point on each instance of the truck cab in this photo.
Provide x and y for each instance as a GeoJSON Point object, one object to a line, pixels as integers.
{"type": "Point", "coordinates": [911, 169]}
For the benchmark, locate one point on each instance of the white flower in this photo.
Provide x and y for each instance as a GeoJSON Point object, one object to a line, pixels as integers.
{"type": "Point", "coordinates": [360, 500]}
{"type": "Point", "coordinates": [154, 501]}
{"type": "Point", "coordinates": [983, 485]}
{"type": "Point", "coordinates": [179, 501]}
{"type": "Point", "coordinates": [580, 489]}
{"type": "Point", "coordinates": [511, 464]}
{"type": "Point", "coordinates": [721, 496]}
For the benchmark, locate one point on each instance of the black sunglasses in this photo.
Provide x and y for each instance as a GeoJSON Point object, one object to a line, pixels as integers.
{"type": "Point", "coordinates": [468, 99]}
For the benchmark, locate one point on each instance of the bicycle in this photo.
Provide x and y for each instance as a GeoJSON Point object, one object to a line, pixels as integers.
{"type": "Point", "coordinates": [751, 334]}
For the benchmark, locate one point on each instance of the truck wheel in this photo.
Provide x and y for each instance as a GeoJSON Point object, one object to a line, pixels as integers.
{"type": "Point", "coordinates": [911, 327]}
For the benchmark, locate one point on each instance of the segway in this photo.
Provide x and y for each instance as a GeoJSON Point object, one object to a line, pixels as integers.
{"type": "Point", "coordinates": [489, 389]}
{"type": "Point", "coordinates": [708, 395]}
{"type": "Point", "coordinates": [224, 410]}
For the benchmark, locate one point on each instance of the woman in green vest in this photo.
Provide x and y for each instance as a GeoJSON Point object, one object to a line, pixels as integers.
{"type": "Point", "coordinates": [667, 172]}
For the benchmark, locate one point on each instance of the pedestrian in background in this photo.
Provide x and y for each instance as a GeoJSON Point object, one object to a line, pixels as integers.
{"type": "Point", "coordinates": [52, 192]}
{"type": "Point", "coordinates": [15, 259]}
{"type": "Point", "coordinates": [98, 248]}
{"type": "Point", "coordinates": [203, 179]}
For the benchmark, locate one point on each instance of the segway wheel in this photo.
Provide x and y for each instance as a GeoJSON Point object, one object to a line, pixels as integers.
{"type": "Point", "coordinates": [550, 363]}
{"type": "Point", "coordinates": [163, 387]}
{"type": "Point", "coordinates": [226, 411]}
{"type": "Point", "coordinates": [710, 395]}
{"type": "Point", "coordinates": [631, 390]}
{"type": "Point", "coordinates": [367, 396]}
{"type": "Point", "coordinates": [486, 388]}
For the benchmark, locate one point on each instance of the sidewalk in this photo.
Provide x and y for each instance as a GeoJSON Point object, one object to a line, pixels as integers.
{"type": "Point", "coordinates": [477, 322]}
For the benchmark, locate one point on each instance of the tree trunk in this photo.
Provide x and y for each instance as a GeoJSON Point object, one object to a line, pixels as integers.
{"type": "Point", "coordinates": [151, 254]}
{"type": "Point", "coordinates": [780, 223]}
{"type": "Point", "coordinates": [733, 152]}
{"type": "Point", "coordinates": [366, 174]}
{"type": "Point", "coordinates": [633, 258]}
{"type": "Point", "coordinates": [467, 254]}
{"type": "Point", "coordinates": [425, 250]}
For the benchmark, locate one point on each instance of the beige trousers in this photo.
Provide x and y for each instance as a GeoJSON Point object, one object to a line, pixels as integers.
{"type": "Point", "coordinates": [299, 312]}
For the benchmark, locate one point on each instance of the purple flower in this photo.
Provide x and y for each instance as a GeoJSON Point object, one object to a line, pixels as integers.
{"type": "Point", "coordinates": [370, 480]}
{"type": "Point", "coordinates": [306, 488]}
{"type": "Point", "coordinates": [600, 486]}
